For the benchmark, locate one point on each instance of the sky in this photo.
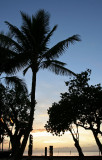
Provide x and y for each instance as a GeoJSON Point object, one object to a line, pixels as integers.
{"type": "Point", "coordinates": [83, 17]}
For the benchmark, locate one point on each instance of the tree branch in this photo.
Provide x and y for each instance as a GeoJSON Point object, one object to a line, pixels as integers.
{"type": "Point", "coordinates": [4, 125]}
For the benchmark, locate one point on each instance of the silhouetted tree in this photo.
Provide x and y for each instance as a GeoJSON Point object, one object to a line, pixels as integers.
{"type": "Point", "coordinates": [14, 114]}
{"type": "Point", "coordinates": [80, 105]}
{"type": "Point", "coordinates": [87, 100]}
{"type": "Point", "coordinates": [61, 118]}
{"type": "Point", "coordinates": [91, 116]}
{"type": "Point", "coordinates": [29, 49]}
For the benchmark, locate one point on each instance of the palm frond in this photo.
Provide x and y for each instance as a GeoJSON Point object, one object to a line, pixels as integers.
{"type": "Point", "coordinates": [17, 34]}
{"type": "Point", "coordinates": [16, 82]}
{"type": "Point", "coordinates": [35, 28]}
{"type": "Point", "coordinates": [49, 35]}
{"type": "Point", "coordinates": [60, 47]}
{"type": "Point", "coordinates": [3, 43]}
{"type": "Point", "coordinates": [57, 67]}
{"type": "Point", "coordinates": [13, 65]}
{"type": "Point", "coordinates": [26, 20]}
{"type": "Point", "coordinates": [25, 70]}
{"type": "Point", "coordinates": [5, 59]}
{"type": "Point", "coordinates": [57, 62]}
{"type": "Point", "coordinates": [42, 18]}
{"type": "Point", "coordinates": [46, 63]}
{"type": "Point", "coordinates": [8, 42]}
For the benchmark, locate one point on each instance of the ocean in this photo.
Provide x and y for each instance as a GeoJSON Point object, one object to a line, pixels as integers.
{"type": "Point", "coordinates": [41, 153]}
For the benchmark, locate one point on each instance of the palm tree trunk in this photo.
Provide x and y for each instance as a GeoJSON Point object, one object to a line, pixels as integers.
{"type": "Point", "coordinates": [19, 154]}
{"type": "Point", "coordinates": [97, 141]}
{"type": "Point", "coordinates": [77, 145]}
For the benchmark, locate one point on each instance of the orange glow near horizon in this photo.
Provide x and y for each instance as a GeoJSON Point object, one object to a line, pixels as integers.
{"type": "Point", "coordinates": [42, 139]}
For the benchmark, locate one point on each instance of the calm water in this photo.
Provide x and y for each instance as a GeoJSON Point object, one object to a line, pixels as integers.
{"type": "Point", "coordinates": [41, 153]}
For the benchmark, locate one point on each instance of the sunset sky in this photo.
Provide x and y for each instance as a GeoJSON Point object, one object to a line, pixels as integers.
{"type": "Point", "coordinates": [83, 17]}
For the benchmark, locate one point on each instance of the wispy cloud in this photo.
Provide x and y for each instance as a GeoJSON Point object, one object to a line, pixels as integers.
{"type": "Point", "coordinates": [43, 115]}
{"type": "Point", "coordinates": [38, 130]}
{"type": "Point", "coordinates": [54, 141]}
{"type": "Point", "coordinates": [41, 133]}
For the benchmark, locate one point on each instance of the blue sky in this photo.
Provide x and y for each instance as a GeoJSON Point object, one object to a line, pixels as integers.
{"type": "Point", "coordinates": [83, 17]}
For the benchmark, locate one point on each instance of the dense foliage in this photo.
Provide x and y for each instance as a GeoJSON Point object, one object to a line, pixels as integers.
{"type": "Point", "coordinates": [14, 113]}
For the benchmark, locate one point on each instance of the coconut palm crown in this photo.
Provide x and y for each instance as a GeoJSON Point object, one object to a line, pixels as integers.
{"type": "Point", "coordinates": [29, 50]}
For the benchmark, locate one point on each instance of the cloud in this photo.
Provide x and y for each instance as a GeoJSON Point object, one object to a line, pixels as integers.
{"type": "Point", "coordinates": [54, 141]}
{"type": "Point", "coordinates": [41, 133]}
{"type": "Point", "coordinates": [38, 130]}
{"type": "Point", "coordinates": [43, 115]}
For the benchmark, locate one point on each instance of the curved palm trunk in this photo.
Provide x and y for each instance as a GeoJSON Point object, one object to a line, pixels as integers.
{"type": "Point", "coordinates": [20, 152]}
{"type": "Point", "coordinates": [97, 141]}
{"type": "Point", "coordinates": [77, 145]}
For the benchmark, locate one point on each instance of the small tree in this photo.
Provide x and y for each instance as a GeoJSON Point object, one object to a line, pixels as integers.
{"type": "Point", "coordinates": [61, 118]}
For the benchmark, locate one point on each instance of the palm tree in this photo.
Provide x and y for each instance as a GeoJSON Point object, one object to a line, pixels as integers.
{"type": "Point", "coordinates": [29, 50]}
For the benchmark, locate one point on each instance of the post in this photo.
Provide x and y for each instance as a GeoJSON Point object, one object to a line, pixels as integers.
{"type": "Point", "coordinates": [45, 151]}
{"type": "Point", "coordinates": [51, 151]}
